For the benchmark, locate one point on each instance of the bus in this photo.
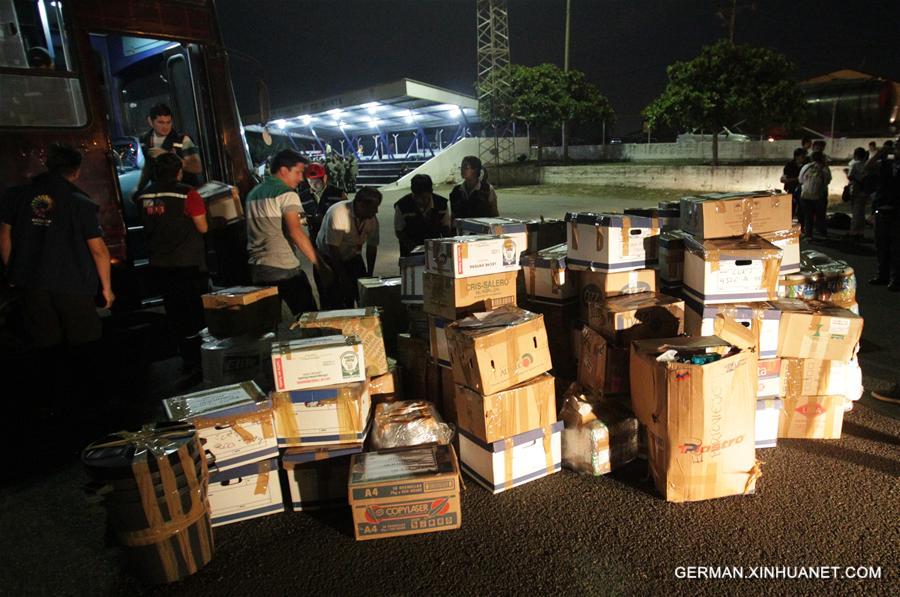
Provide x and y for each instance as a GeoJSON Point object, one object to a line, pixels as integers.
{"type": "Point", "coordinates": [86, 73]}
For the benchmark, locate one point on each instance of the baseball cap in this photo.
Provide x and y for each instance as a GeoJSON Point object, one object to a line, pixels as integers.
{"type": "Point", "coordinates": [314, 171]}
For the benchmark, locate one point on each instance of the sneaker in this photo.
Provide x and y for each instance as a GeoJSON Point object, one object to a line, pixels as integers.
{"type": "Point", "coordinates": [891, 395]}
{"type": "Point", "coordinates": [878, 281]}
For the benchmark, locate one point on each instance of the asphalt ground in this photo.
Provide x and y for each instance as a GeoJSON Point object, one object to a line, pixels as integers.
{"type": "Point", "coordinates": [818, 503]}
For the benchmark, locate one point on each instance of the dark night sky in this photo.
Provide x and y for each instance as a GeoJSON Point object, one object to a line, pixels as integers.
{"type": "Point", "coordinates": [316, 48]}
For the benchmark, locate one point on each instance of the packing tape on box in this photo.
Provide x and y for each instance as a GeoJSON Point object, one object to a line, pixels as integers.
{"type": "Point", "coordinates": [771, 271]}
{"type": "Point", "coordinates": [574, 228]}
{"type": "Point", "coordinates": [811, 404]}
{"type": "Point", "coordinates": [793, 375]}
{"type": "Point", "coordinates": [159, 531]}
{"type": "Point", "coordinates": [753, 476]}
{"type": "Point", "coordinates": [262, 478]}
{"type": "Point", "coordinates": [727, 326]}
{"type": "Point", "coordinates": [747, 215]}
{"type": "Point", "coordinates": [626, 234]}
{"type": "Point", "coordinates": [812, 344]}
{"type": "Point", "coordinates": [556, 275]}
{"type": "Point", "coordinates": [285, 420]}
{"type": "Point", "coordinates": [264, 418]}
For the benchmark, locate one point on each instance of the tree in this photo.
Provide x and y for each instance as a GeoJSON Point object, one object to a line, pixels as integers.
{"type": "Point", "coordinates": [729, 83]}
{"type": "Point", "coordinates": [544, 96]}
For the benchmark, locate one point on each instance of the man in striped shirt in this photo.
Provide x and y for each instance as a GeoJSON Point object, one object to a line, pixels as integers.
{"type": "Point", "coordinates": [275, 229]}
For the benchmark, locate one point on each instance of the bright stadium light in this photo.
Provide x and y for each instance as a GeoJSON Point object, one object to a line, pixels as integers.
{"type": "Point", "coordinates": [306, 119]}
{"type": "Point", "coordinates": [335, 113]}
{"type": "Point", "coordinates": [372, 107]}
{"type": "Point", "coordinates": [280, 123]}
{"type": "Point", "coordinates": [409, 116]}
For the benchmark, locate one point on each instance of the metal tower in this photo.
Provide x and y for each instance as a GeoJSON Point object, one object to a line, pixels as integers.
{"type": "Point", "coordinates": [493, 85]}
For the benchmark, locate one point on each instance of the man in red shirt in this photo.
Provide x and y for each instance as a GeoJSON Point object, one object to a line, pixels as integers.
{"type": "Point", "coordinates": [174, 218]}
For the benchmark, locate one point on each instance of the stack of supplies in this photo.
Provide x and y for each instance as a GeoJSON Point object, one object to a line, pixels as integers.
{"type": "Point", "coordinates": [599, 436]}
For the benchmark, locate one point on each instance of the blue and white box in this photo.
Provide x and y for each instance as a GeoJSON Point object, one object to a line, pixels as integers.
{"type": "Point", "coordinates": [248, 491]}
{"type": "Point", "coordinates": [317, 477]}
{"type": "Point", "coordinates": [513, 461]}
{"type": "Point", "coordinates": [731, 270]}
{"type": "Point", "coordinates": [546, 279]}
{"type": "Point", "coordinates": [412, 277]}
{"type": "Point", "coordinates": [515, 229]}
{"type": "Point", "coordinates": [762, 319]}
{"type": "Point", "coordinates": [768, 411]}
{"type": "Point", "coordinates": [234, 422]}
{"type": "Point", "coordinates": [322, 416]}
{"type": "Point", "coordinates": [610, 242]}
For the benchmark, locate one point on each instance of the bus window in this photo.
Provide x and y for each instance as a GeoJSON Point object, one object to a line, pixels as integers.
{"type": "Point", "coordinates": [37, 73]}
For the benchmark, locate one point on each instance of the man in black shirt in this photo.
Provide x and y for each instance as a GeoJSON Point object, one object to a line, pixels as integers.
{"type": "Point", "coordinates": [420, 215]}
{"type": "Point", "coordinates": [791, 177]}
{"type": "Point", "coordinates": [52, 246]}
{"type": "Point", "coordinates": [317, 196]}
{"type": "Point", "coordinates": [174, 218]}
{"type": "Point", "coordinates": [887, 216]}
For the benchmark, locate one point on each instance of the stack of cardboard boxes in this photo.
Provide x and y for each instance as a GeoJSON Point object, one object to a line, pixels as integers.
{"type": "Point", "coordinates": [736, 248]}
{"type": "Point", "coordinates": [236, 344]}
{"type": "Point", "coordinates": [464, 275]}
{"type": "Point", "coordinates": [505, 400]}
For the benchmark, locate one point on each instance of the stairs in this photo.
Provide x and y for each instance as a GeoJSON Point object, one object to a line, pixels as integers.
{"type": "Point", "coordinates": [375, 173]}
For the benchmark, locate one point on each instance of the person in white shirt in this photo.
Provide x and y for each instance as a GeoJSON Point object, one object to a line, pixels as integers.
{"type": "Point", "coordinates": [346, 228]}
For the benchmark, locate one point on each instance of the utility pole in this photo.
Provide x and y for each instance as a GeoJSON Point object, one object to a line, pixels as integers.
{"type": "Point", "coordinates": [565, 124]}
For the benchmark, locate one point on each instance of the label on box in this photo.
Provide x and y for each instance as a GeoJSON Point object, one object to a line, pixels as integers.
{"type": "Point", "coordinates": [838, 326]}
{"type": "Point", "coordinates": [734, 277]}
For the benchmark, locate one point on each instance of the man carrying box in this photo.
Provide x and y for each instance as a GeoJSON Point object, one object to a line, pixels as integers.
{"type": "Point", "coordinates": [274, 229]}
{"type": "Point", "coordinates": [348, 226]}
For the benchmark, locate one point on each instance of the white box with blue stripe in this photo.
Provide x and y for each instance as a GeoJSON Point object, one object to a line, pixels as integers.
{"type": "Point", "coordinates": [768, 411]}
{"type": "Point", "coordinates": [512, 461]}
{"type": "Point", "coordinates": [235, 422]}
{"type": "Point", "coordinates": [610, 242]}
{"type": "Point", "coordinates": [318, 362]}
{"type": "Point", "coordinates": [762, 320]}
{"type": "Point", "coordinates": [321, 416]}
{"type": "Point", "coordinates": [546, 279]}
{"type": "Point", "coordinates": [248, 491]}
{"type": "Point", "coordinates": [731, 270]}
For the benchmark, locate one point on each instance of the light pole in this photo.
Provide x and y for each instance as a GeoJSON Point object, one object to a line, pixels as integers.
{"type": "Point", "coordinates": [565, 124]}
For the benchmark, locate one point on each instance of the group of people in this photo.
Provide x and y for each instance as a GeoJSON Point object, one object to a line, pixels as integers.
{"type": "Point", "coordinates": [52, 246]}
{"type": "Point", "coordinates": [873, 179]}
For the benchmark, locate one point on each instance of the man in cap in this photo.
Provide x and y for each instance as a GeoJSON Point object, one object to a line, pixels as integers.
{"type": "Point", "coordinates": [317, 196]}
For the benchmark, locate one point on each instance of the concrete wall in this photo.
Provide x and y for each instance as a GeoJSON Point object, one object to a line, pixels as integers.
{"type": "Point", "coordinates": [729, 151]}
{"type": "Point", "coordinates": [687, 177]}
{"type": "Point", "coordinates": [444, 167]}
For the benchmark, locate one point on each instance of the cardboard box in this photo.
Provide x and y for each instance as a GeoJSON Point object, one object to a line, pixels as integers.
{"type": "Point", "coordinates": [223, 203]}
{"type": "Point", "coordinates": [452, 298]}
{"type": "Point", "coordinates": [598, 438]}
{"type": "Point", "coordinates": [811, 417]}
{"type": "Point", "coordinates": [545, 276]}
{"type": "Point", "coordinates": [558, 322]}
{"type": "Point", "coordinates": [700, 419]}
{"type": "Point", "coordinates": [387, 384]}
{"type": "Point", "coordinates": [363, 323]}
{"type": "Point", "coordinates": [671, 257]}
{"type": "Point", "coordinates": [610, 242]}
{"type": "Point", "coordinates": [815, 377]}
{"type": "Point", "coordinates": [233, 360]}
{"type": "Point", "coordinates": [317, 477]}
{"type": "Point", "coordinates": [596, 287]}
{"type": "Point", "coordinates": [412, 271]}
{"type": "Point", "coordinates": [724, 215]}
{"type": "Point", "coordinates": [317, 362]}
{"type": "Point", "coordinates": [731, 270]}
{"type": "Point", "coordinates": [242, 310]}
{"type": "Point", "coordinates": [531, 235]}
{"type": "Point", "coordinates": [768, 413]}
{"type": "Point", "coordinates": [466, 256]}
{"type": "Point", "coordinates": [248, 491]}
{"type": "Point", "coordinates": [493, 351]}
{"type": "Point", "coordinates": [527, 406]}
{"type": "Point", "coordinates": [814, 330]}
{"type": "Point", "coordinates": [602, 367]}
{"type": "Point", "coordinates": [624, 319]}
{"type": "Point", "coordinates": [769, 379]}
{"type": "Point", "coordinates": [384, 293]}
{"type": "Point", "coordinates": [517, 230]}
{"type": "Point", "coordinates": [234, 422]}
{"type": "Point", "coordinates": [405, 492]}
{"type": "Point", "coordinates": [513, 461]}
{"type": "Point", "coordinates": [789, 243]}
{"type": "Point", "coordinates": [438, 347]}
{"type": "Point", "coordinates": [412, 356]}
{"type": "Point", "coordinates": [418, 321]}
{"type": "Point", "coordinates": [408, 423]}
{"type": "Point", "coordinates": [321, 416]}
{"type": "Point", "coordinates": [668, 217]}
{"type": "Point", "coordinates": [747, 325]}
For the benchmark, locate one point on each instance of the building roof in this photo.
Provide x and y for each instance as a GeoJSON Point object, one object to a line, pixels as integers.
{"type": "Point", "coordinates": [397, 106]}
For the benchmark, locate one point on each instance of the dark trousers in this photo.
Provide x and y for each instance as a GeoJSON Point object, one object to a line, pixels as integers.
{"type": "Point", "coordinates": [297, 293]}
{"type": "Point", "coordinates": [887, 243]}
{"type": "Point", "coordinates": [343, 292]}
{"type": "Point", "coordinates": [813, 214]}
{"type": "Point", "coordinates": [182, 289]}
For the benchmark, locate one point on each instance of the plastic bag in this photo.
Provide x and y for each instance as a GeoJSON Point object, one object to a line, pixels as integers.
{"type": "Point", "coordinates": [408, 423]}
